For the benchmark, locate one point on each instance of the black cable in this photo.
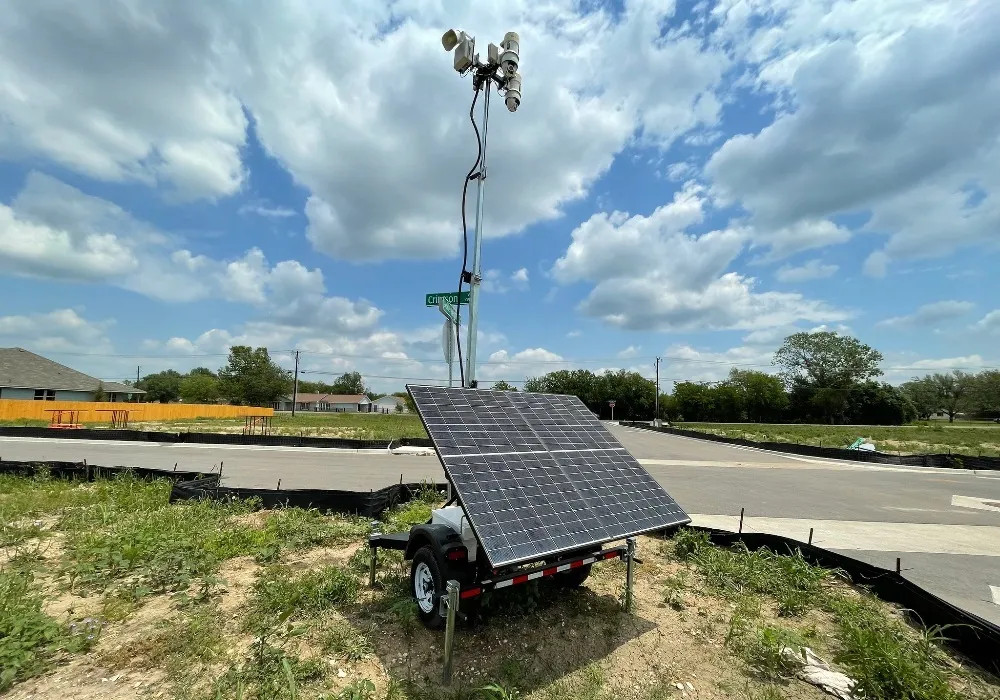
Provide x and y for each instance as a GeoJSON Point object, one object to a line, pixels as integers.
{"type": "Point", "coordinates": [465, 235]}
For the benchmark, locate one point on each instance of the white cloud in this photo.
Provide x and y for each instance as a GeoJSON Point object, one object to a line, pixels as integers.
{"type": "Point", "coordinates": [121, 93]}
{"type": "Point", "coordinates": [685, 363]}
{"type": "Point", "coordinates": [884, 110]}
{"type": "Point", "coordinates": [930, 314]}
{"type": "Point", "coordinates": [520, 277]}
{"type": "Point", "coordinates": [810, 270]}
{"type": "Point", "coordinates": [649, 274]}
{"type": "Point", "coordinates": [165, 97]}
{"type": "Point", "coordinates": [876, 264]}
{"type": "Point", "coordinates": [268, 211]}
{"type": "Point", "coordinates": [629, 352]}
{"type": "Point", "coordinates": [61, 330]}
{"type": "Point", "coordinates": [576, 333]}
{"type": "Point", "coordinates": [797, 237]}
{"type": "Point", "coordinates": [990, 322]}
{"type": "Point", "coordinates": [57, 232]}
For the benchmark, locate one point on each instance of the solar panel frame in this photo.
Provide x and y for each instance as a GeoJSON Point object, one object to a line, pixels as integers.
{"type": "Point", "coordinates": [548, 463]}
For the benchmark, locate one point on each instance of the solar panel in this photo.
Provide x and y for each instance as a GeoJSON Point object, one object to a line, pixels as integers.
{"type": "Point", "coordinates": [539, 474]}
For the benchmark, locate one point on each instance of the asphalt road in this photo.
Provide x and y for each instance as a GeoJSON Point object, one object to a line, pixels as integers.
{"type": "Point", "coordinates": [943, 524]}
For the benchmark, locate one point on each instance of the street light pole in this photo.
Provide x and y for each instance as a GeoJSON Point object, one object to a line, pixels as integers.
{"type": "Point", "coordinates": [656, 415]}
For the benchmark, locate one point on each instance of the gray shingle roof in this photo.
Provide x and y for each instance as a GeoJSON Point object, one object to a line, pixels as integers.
{"type": "Point", "coordinates": [22, 369]}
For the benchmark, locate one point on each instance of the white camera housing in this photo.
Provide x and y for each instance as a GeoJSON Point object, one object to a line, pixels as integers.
{"type": "Point", "coordinates": [511, 55]}
{"type": "Point", "coordinates": [513, 97]}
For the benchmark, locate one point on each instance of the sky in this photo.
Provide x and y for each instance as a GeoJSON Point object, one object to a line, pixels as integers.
{"type": "Point", "coordinates": [688, 180]}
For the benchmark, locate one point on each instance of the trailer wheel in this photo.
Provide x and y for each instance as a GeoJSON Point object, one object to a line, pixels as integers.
{"type": "Point", "coordinates": [427, 585]}
{"type": "Point", "coordinates": [573, 578]}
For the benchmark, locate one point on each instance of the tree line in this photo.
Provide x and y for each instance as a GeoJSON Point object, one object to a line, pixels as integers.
{"type": "Point", "coordinates": [249, 378]}
{"type": "Point", "coordinates": [822, 377]}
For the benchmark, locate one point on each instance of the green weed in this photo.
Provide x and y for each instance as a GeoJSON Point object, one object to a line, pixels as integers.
{"type": "Point", "coordinates": [673, 590]}
{"type": "Point", "coordinates": [361, 689]}
{"type": "Point", "coordinates": [495, 691]}
{"type": "Point", "coordinates": [278, 594]}
{"type": "Point", "coordinates": [886, 658]}
{"type": "Point", "coordinates": [342, 640]}
{"type": "Point", "coordinates": [688, 543]}
{"type": "Point", "coordinates": [268, 673]}
{"type": "Point", "coordinates": [175, 643]}
{"type": "Point", "coordinates": [762, 648]}
{"type": "Point", "coordinates": [791, 581]}
{"type": "Point", "coordinates": [28, 637]}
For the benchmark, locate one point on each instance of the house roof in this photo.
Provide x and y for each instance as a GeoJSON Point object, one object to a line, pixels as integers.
{"type": "Point", "coordinates": [389, 398]}
{"type": "Point", "coordinates": [22, 369]}
{"type": "Point", "coordinates": [306, 397]}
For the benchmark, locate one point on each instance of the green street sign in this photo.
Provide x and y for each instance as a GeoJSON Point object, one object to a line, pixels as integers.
{"type": "Point", "coordinates": [451, 297]}
{"type": "Point", "coordinates": [448, 309]}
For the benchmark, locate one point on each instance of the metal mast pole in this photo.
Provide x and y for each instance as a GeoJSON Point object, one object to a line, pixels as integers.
{"type": "Point", "coordinates": [470, 360]}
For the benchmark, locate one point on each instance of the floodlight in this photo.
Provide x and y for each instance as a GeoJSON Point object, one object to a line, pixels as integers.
{"type": "Point", "coordinates": [513, 98]}
{"type": "Point", "coordinates": [511, 46]}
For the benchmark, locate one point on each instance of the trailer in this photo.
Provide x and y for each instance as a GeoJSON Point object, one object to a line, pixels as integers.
{"type": "Point", "coordinates": [445, 549]}
{"type": "Point", "coordinates": [539, 488]}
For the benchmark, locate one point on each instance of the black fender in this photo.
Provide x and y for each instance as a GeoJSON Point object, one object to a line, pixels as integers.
{"type": "Point", "coordinates": [439, 536]}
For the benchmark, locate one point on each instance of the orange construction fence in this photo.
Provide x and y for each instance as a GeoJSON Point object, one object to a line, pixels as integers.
{"type": "Point", "coordinates": [13, 409]}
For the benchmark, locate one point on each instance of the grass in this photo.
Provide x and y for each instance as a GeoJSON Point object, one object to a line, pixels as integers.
{"type": "Point", "coordinates": [213, 601]}
{"type": "Point", "coordinates": [967, 437]}
{"type": "Point", "coordinates": [29, 638]}
{"type": "Point", "coordinates": [356, 426]}
{"type": "Point", "coordinates": [888, 658]}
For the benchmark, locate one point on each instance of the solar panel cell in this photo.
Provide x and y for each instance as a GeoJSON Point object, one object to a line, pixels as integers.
{"type": "Point", "coordinates": [539, 474]}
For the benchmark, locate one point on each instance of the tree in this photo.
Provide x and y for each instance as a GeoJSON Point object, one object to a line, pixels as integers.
{"type": "Point", "coordinates": [923, 394]}
{"type": "Point", "coordinates": [162, 386]}
{"type": "Point", "coordinates": [349, 383]}
{"type": "Point", "coordinates": [826, 365]}
{"type": "Point", "coordinates": [503, 386]}
{"type": "Point", "coordinates": [99, 393]}
{"type": "Point", "coordinates": [408, 400]}
{"type": "Point", "coordinates": [201, 371]}
{"type": "Point", "coordinates": [764, 397]}
{"type": "Point", "coordinates": [953, 391]}
{"type": "Point", "coordinates": [874, 403]}
{"type": "Point", "coordinates": [694, 401]}
{"type": "Point", "coordinates": [200, 388]}
{"type": "Point", "coordinates": [985, 394]}
{"type": "Point", "coordinates": [251, 378]}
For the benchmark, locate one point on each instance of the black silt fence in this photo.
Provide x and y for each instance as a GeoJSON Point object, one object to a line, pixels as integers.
{"type": "Point", "coordinates": [90, 472]}
{"type": "Point", "coordinates": [369, 504]}
{"type": "Point", "coordinates": [949, 461]}
{"type": "Point", "coordinates": [968, 634]}
{"type": "Point", "coordinates": [212, 438]}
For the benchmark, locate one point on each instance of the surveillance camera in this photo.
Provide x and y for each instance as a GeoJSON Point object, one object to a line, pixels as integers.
{"type": "Point", "coordinates": [513, 98]}
{"type": "Point", "coordinates": [511, 46]}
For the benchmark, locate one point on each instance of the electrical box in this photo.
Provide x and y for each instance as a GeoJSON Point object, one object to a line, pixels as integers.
{"type": "Point", "coordinates": [464, 55]}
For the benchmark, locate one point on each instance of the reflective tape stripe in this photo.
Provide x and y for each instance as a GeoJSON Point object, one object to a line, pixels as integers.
{"type": "Point", "coordinates": [471, 593]}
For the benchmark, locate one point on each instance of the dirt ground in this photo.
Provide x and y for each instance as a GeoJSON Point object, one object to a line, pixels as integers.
{"type": "Point", "coordinates": [572, 638]}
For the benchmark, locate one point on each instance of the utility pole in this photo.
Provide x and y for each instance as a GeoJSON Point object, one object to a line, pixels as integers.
{"type": "Point", "coordinates": [137, 374]}
{"type": "Point", "coordinates": [656, 416]}
{"type": "Point", "coordinates": [476, 278]}
{"type": "Point", "coordinates": [295, 384]}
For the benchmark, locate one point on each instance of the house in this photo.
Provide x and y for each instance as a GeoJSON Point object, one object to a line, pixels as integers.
{"type": "Point", "coordinates": [25, 375]}
{"type": "Point", "coordinates": [391, 404]}
{"type": "Point", "coordinates": [334, 403]}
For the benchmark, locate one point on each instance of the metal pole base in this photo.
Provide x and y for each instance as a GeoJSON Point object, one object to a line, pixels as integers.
{"type": "Point", "coordinates": [629, 567]}
{"type": "Point", "coordinates": [451, 604]}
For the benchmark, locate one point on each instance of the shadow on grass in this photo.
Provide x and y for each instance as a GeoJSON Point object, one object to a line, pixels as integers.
{"type": "Point", "coordinates": [526, 637]}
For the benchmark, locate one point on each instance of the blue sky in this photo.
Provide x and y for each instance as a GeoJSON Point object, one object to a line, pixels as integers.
{"type": "Point", "coordinates": [692, 181]}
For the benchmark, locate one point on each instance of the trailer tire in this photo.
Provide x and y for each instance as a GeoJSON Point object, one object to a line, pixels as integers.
{"type": "Point", "coordinates": [573, 578]}
{"type": "Point", "coordinates": [427, 585]}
